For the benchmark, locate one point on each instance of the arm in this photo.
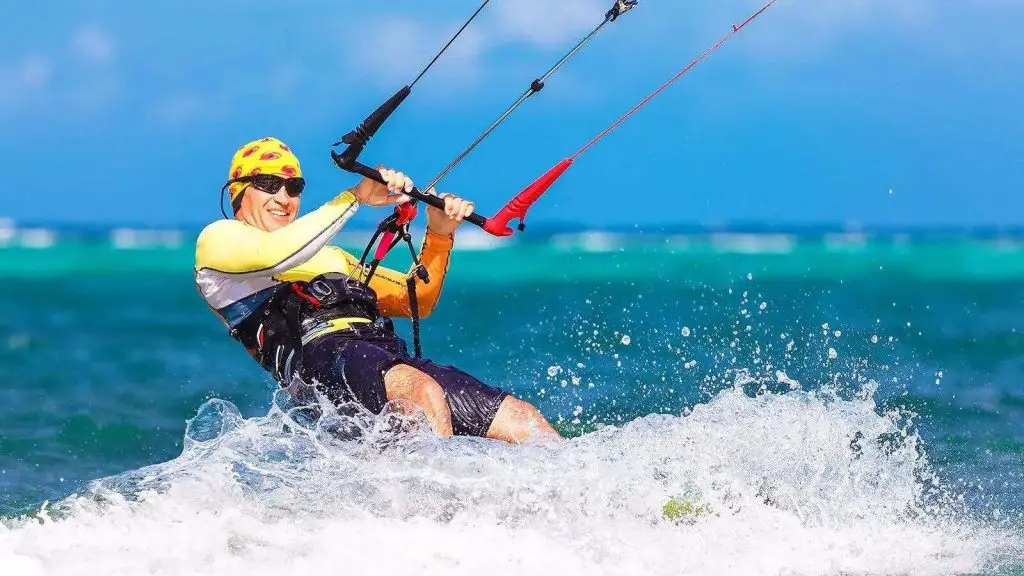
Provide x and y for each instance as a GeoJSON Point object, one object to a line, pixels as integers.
{"type": "Point", "coordinates": [390, 285]}
{"type": "Point", "coordinates": [233, 247]}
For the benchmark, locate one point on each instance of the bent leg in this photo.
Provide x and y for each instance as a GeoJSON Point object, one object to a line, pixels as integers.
{"type": "Point", "coordinates": [403, 382]}
{"type": "Point", "coordinates": [518, 421]}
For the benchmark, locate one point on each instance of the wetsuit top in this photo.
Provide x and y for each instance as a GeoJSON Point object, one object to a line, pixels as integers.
{"type": "Point", "coordinates": [239, 267]}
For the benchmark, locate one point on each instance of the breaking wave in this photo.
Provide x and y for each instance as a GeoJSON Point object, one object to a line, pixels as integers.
{"type": "Point", "coordinates": [766, 483]}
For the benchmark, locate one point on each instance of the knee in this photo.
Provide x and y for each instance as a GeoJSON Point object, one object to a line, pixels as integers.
{"type": "Point", "coordinates": [407, 383]}
{"type": "Point", "coordinates": [521, 412]}
{"type": "Point", "coordinates": [518, 421]}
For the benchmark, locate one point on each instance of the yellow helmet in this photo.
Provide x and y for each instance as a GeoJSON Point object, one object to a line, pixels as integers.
{"type": "Point", "coordinates": [264, 156]}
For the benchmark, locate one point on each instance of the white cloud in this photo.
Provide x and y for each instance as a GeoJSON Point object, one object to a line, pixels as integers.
{"type": "Point", "coordinates": [544, 23]}
{"type": "Point", "coordinates": [395, 57]}
{"type": "Point", "coordinates": [92, 45]}
{"type": "Point", "coordinates": [81, 79]}
{"type": "Point", "coordinates": [391, 56]}
{"type": "Point", "coordinates": [408, 44]}
{"type": "Point", "coordinates": [24, 80]}
{"type": "Point", "coordinates": [35, 72]}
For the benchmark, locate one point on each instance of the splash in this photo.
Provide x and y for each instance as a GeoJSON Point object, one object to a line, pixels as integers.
{"type": "Point", "coordinates": [796, 482]}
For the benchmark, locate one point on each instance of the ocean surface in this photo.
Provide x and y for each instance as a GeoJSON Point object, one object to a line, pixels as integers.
{"type": "Point", "coordinates": [839, 403]}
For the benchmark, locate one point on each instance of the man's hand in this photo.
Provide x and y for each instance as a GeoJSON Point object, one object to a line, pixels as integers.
{"type": "Point", "coordinates": [444, 222]}
{"type": "Point", "coordinates": [373, 193]}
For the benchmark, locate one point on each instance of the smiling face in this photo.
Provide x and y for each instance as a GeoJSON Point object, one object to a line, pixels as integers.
{"type": "Point", "coordinates": [267, 210]}
{"type": "Point", "coordinates": [267, 169]}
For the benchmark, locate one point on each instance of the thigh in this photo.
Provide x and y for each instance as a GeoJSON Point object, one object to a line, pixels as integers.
{"type": "Point", "coordinates": [473, 404]}
{"type": "Point", "coordinates": [348, 370]}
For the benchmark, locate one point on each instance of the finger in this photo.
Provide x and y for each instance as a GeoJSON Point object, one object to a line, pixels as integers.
{"type": "Point", "coordinates": [461, 212]}
{"type": "Point", "coordinates": [393, 179]}
{"type": "Point", "coordinates": [401, 182]}
{"type": "Point", "coordinates": [385, 175]}
{"type": "Point", "coordinates": [468, 209]}
{"type": "Point", "coordinates": [449, 206]}
{"type": "Point", "coordinates": [460, 205]}
{"type": "Point", "coordinates": [395, 199]}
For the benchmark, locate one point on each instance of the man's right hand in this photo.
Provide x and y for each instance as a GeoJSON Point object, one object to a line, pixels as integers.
{"type": "Point", "coordinates": [373, 193]}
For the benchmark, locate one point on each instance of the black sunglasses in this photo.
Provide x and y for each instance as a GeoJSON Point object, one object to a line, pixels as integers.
{"type": "Point", "coordinates": [271, 183]}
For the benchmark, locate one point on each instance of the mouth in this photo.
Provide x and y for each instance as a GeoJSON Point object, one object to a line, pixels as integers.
{"type": "Point", "coordinates": [281, 216]}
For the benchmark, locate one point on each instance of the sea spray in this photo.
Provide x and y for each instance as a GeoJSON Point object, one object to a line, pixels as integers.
{"type": "Point", "coordinates": [799, 482]}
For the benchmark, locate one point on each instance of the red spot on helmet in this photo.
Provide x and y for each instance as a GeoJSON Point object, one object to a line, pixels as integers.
{"type": "Point", "coordinates": [254, 171]}
{"type": "Point", "coordinates": [250, 151]}
{"type": "Point", "coordinates": [237, 173]}
{"type": "Point", "coordinates": [285, 148]}
{"type": "Point", "coordinates": [268, 139]}
{"type": "Point", "coordinates": [270, 156]}
{"type": "Point", "coordinates": [288, 170]}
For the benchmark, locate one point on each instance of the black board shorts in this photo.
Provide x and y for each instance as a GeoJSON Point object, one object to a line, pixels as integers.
{"type": "Point", "coordinates": [347, 369]}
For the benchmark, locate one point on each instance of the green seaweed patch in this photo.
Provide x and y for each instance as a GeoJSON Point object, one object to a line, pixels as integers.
{"type": "Point", "coordinates": [684, 510]}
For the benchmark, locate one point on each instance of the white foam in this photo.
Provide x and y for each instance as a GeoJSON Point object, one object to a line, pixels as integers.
{"type": "Point", "coordinates": [39, 238]}
{"type": "Point", "coordinates": [474, 239]}
{"type": "Point", "coordinates": [801, 483]}
{"type": "Point", "coordinates": [753, 243]}
{"type": "Point", "coordinates": [591, 241]}
{"type": "Point", "coordinates": [128, 238]}
{"type": "Point", "coordinates": [7, 231]}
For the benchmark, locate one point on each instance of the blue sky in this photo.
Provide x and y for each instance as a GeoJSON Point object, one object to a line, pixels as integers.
{"type": "Point", "coordinates": [864, 111]}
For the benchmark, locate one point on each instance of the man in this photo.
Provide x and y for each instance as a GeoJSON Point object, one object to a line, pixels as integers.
{"type": "Point", "coordinates": [302, 311]}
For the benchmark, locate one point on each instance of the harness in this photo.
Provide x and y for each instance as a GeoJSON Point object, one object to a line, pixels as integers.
{"type": "Point", "coordinates": [299, 312]}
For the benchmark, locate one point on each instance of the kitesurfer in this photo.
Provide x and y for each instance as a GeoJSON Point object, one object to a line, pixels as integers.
{"type": "Point", "coordinates": [301, 309]}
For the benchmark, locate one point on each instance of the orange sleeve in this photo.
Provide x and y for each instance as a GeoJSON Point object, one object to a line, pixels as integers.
{"type": "Point", "coordinates": [390, 285]}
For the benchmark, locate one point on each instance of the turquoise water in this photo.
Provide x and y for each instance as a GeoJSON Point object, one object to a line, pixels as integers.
{"type": "Point", "coordinates": [843, 405]}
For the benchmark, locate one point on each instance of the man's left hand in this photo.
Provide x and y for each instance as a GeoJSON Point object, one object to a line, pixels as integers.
{"type": "Point", "coordinates": [444, 222]}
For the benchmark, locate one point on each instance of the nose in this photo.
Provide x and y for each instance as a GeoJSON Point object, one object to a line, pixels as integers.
{"type": "Point", "coordinates": [281, 196]}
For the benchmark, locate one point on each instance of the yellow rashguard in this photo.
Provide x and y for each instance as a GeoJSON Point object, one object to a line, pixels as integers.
{"type": "Point", "coordinates": [238, 267]}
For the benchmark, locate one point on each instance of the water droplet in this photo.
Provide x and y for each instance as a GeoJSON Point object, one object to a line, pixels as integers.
{"type": "Point", "coordinates": [625, 340]}
{"type": "Point", "coordinates": [686, 331]}
{"type": "Point", "coordinates": [832, 354]}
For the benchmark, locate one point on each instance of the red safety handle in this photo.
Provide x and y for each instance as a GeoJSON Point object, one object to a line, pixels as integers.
{"type": "Point", "coordinates": [517, 207]}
